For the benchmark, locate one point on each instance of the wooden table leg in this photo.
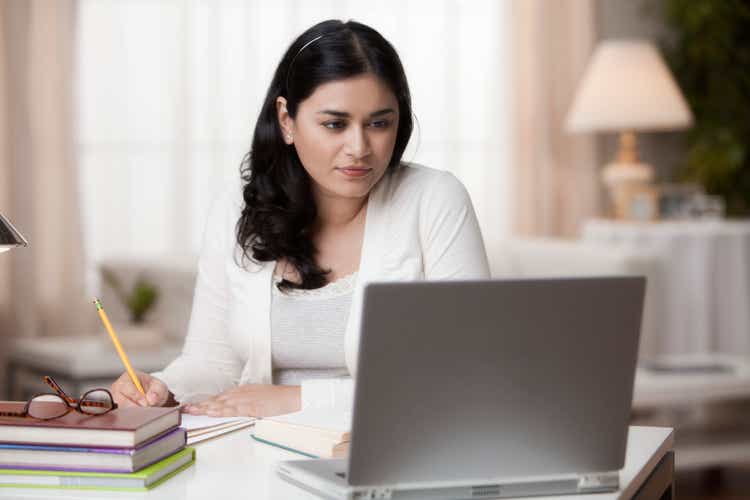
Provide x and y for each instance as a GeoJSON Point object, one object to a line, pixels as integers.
{"type": "Point", "coordinates": [660, 484]}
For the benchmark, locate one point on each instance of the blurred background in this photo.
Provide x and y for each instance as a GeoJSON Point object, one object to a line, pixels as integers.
{"type": "Point", "coordinates": [594, 136]}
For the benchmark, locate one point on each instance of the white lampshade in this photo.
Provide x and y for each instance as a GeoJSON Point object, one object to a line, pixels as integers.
{"type": "Point", "coordinates": [627, 86]}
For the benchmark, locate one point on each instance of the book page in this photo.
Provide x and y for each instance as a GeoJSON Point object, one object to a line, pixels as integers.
{"type": "Point", "coordinates": [333, 419]}
{"type": "Point", "coordinates": [203, 422]}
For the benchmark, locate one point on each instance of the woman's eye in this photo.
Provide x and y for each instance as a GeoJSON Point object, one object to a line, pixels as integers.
{"type": "Point", "coordinates": [337, 125]}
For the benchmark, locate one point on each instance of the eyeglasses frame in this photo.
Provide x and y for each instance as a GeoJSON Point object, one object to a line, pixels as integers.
{"type": "Point", "coordinates": [71, 403]}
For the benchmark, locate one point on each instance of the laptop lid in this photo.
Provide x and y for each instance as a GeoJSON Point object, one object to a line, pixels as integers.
{"type": "Point", "coordinates": [492, 379]}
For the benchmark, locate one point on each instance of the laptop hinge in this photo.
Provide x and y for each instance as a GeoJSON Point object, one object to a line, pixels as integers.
{"type": "Point", "coordinates": [373, 494]}
{"type": "Point", "coordinates": [598, 482]}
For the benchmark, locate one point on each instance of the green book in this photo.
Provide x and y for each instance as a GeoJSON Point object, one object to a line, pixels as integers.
{"type": "Point", "coordinates": [144, 479]}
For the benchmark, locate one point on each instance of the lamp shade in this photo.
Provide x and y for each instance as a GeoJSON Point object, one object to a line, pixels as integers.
{"type": "Point", "coordinates": [627, 86]}
{"type": "Point", "coordinates": [9, 236]}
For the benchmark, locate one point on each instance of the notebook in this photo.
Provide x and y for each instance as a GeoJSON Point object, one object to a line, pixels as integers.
{"type": "Point", "coordinates": [317, 433]}
{"type": "Point", "coordinates": [138, 481]}
{"type": "Point", "coordinates": [100, 459]}
{"type": "Point", "coordinates": [121, 428]}
{"type": "Point", "coordinates": [201, 427]}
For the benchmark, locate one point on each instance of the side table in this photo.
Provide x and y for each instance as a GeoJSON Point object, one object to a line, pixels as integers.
{"type": "Point", "coordinates": [702, 285]}
{"type": "Point", "coordinates": [706, 398]}
{"type": "Point", "coordinates": [77, 363]}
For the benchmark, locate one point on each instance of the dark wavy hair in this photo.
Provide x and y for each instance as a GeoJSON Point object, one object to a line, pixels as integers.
{"type": "Point", "coordinates": [279, 214]}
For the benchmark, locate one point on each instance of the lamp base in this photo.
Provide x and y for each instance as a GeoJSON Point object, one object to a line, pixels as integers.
{"type": "Point", "coordinates": [630, 189]}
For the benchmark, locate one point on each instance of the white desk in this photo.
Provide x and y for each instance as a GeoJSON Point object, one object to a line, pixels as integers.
{"type": "Point", "coordinates": [235, 466]}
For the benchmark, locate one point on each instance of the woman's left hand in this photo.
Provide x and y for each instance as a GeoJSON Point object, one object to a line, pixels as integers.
{"type": "Point", "coordinates": [249, 400]}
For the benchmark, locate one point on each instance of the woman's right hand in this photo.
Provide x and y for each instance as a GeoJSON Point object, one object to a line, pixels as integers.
{"type": "Point", "coordinates": [126, 394]}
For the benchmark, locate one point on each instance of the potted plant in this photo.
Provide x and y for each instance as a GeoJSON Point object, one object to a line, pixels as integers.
{"type": "Point", "coordinates": [708, 50]}
{"type": "Point", "coordinates": [139, 300]}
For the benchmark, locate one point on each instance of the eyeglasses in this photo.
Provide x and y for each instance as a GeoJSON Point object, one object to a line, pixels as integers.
{"type": "Point", "coordinates": [48, 406]}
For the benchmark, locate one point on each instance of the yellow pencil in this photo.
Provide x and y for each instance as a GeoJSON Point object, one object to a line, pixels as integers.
{"type": "Point", "coordinates": [118, 346]}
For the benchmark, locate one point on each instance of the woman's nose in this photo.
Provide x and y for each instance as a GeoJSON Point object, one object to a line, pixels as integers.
{"type": "Point", "coordinates": [357, 143]}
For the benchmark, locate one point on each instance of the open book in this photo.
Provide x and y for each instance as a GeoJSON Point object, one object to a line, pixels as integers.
{"type": "Point", "coordinates": [315, 432]}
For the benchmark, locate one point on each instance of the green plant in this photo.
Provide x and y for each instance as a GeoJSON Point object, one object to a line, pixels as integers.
{"type": "Point", "coordinates": [139, 300]}
{"type": "Point", "coordinates": [708, 51]}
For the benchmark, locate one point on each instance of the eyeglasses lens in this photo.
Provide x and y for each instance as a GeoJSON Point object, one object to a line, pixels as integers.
{"type": "Point", "coordinates": [47, 406]}
{"type": "Point", "coordinates": [96, 402]}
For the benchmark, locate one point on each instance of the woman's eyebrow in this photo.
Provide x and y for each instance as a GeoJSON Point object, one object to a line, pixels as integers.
{"type": "Point", "coordinates": [344, 114]}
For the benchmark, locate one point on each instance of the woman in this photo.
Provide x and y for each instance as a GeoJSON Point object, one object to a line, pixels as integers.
{"type": "Point", "coordinates": [325, 206]}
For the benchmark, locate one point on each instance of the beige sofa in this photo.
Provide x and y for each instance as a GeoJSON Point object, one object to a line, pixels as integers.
{"type": "Point", "coordinates": [175, 277]}
{"type": "Point", "coordinates": [554, 257]}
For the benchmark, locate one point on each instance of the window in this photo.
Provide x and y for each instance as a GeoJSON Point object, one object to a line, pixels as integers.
{"type": "Point", "coordinates": [168, 92]}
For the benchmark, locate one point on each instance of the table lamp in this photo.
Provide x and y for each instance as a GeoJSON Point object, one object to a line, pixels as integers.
{"type": "Point", "coordinates": [9, 236]}
{"type": "Point", "coordinates": [627, 87]}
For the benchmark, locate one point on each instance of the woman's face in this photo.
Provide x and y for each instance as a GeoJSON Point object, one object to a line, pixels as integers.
{"type": "Point", "coordinates": [344, 134]}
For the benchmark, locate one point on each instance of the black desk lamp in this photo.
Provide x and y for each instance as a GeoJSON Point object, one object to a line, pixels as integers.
{"type": "Point", "coordinates": [9, 236]}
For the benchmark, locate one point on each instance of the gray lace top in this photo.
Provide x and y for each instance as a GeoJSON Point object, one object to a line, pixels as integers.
{"type": "Point", "coordinates": [307, 331]}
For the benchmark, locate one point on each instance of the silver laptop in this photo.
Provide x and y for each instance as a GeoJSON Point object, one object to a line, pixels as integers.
{"type": "Point", "coordinates": [487, 389]}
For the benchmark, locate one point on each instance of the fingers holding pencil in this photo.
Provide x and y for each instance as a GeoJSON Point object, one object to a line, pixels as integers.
{"type": "Point", "coordinates": [126, 394]}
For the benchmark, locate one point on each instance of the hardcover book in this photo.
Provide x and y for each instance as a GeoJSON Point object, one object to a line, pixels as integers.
{"type": "Point", "coordinates": [99, 459]}
{"type": "Point", "coordinates": [137, 481]}
{"type": "Point", "coordinates": [317, 433]}
{"type": "Point", "coordinates": [121, 428]}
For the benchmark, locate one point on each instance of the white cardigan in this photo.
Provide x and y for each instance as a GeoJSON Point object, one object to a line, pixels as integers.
{"type": "Point", "coordinates": [420, 224]}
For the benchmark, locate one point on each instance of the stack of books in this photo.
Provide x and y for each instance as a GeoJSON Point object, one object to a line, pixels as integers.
{"type": "Point", "coordinates": [128, 449]}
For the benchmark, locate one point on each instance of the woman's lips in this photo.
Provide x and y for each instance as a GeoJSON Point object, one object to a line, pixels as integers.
{"type": "Point", "coordinates": [354, 172]}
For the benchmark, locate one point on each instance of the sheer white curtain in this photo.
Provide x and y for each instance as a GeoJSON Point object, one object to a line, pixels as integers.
{"type": "Point", "coordinates": [168, 93]}
{"type": "Point", "coordinates": [555, 179]}
{"type": "Point", "coordinates": [42, 291]}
